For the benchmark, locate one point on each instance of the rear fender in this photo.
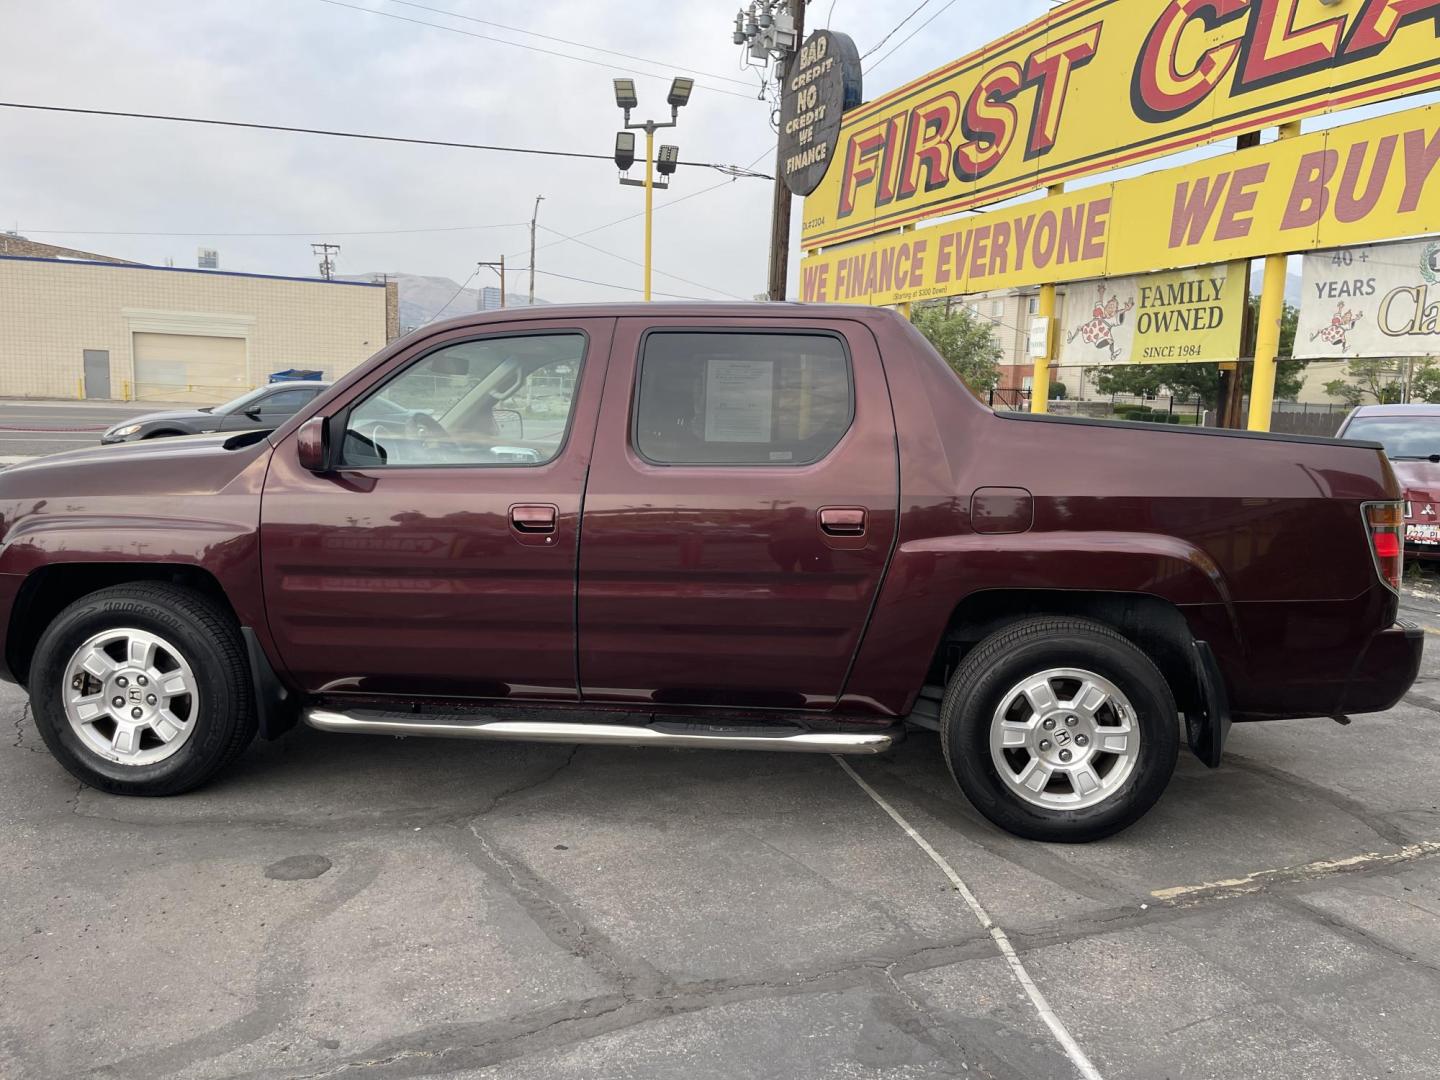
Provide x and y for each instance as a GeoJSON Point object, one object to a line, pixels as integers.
{"type": "Point", "coordinates": [932, 581]}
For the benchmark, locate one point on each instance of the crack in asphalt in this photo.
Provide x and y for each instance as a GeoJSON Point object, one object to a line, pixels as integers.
{"type": "Point", "coordinates": [1376, 823]}
{"type": "Point", "coordinates": [19, 743]}
{"type": "Point", "coordinates": [528, 785]}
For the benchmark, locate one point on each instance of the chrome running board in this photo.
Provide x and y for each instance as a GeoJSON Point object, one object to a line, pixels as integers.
{"type": "Point", "coordinates": [657, 733]}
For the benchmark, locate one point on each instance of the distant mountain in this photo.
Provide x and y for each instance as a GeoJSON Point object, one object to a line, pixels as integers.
{"type": "Point", "coordinates": [422, 298]}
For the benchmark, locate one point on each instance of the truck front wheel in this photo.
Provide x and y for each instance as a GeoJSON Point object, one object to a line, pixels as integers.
{"type": "Point", "coordinates": [1060, 729]}
{"type": "Point", "coordinates": [143, 689]}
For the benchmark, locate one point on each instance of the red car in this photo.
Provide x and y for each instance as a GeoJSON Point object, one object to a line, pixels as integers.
{"type": "Point", "coordinates": [1411, 437]}
{"type": "Point", "coordinates": [752, 527]}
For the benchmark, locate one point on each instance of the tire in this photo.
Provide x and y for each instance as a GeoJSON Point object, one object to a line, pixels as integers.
{"type": "Point", "coordinates": [989, 721]}
{"type": "Point", "coordinates": [175, 706]}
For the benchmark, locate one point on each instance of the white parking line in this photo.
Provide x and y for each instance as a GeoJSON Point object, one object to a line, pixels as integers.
{"type": "Point", "coordinates": [1319, 868]}
{"type": "Point", "coordinates": [14, 460]}
{"type": "Point", "coordinates": [1002, 942]}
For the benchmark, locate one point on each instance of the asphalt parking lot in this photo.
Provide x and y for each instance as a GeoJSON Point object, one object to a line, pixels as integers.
{"type": "Point", "coordinates": [363, 907]}
{"type": "Point", "coordinates": [35, 428]}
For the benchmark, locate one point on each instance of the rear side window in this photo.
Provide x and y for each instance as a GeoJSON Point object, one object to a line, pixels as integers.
{"type": "Point", "coordinates": [741, 398]}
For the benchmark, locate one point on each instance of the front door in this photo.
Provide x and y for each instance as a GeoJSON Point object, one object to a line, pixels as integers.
{"type": "Point", "coordinates": [439, 558]}
{"type": "Point", "coordinates": [739, 516]}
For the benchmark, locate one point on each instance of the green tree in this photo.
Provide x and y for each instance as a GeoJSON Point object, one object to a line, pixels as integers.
{"type": "Point", "coordinates": [1191, 381]}
{"type": "Point", "coordinates": [1382, 381]}
{"type": "Point", "coordinates": [966, 343]}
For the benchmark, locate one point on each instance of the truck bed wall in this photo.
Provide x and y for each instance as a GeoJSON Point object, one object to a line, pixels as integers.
{"type": "Point", "coordinates": [1259, 542]}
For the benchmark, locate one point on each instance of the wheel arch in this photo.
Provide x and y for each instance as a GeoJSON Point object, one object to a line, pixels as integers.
{"type": "Point", "coordinates": [1156, 626]}
{"type": "Point", "coordinates": [49, 589]}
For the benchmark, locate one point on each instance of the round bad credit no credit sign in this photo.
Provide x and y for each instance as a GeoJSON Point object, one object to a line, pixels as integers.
{"type": "Point", "coordinates": [822, 81]}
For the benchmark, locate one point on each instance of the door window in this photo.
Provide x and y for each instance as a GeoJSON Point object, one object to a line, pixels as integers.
{"type": "Point", "coordinates": [495, 401]}
{"type": "Point", "coordinates": [741, 398]}
{"type": "Point", "coordinates": [286, 401]}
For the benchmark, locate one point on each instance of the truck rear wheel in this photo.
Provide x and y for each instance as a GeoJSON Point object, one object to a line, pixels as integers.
{"type": "Point", "coordinates": [143, 689]}
{"type": "Point", "coordinates": [1060, 729]}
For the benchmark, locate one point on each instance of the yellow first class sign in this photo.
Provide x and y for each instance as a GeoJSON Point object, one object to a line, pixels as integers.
{"type": "Point", "coordinates": [1099, 84]}
{"type": "Point", "coordinates": [1378, 179]}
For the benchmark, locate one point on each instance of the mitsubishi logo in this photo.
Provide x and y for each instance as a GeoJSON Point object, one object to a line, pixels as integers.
{"type": "Point", "coordinates": [1428, 510]}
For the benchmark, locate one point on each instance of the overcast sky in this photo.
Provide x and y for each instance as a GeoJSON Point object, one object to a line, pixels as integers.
{"type": "Point", "coordinates": [85, 182]}
{"type": "Point", "coordinates": [70, 180]}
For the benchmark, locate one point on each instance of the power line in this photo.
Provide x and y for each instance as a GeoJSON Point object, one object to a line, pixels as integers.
{"type": "Point", "coordinates": [623, 288]}
{"type": "Point", "coordinates": [662, 206]}
{"type": "Point", "coordinates": [636, 262]}
{"type": "Point", "coordinates": [567, 41]}
{"type": "Point", "coordinates": [341, 134]}
{"type": "Point", "coordinates": [894, 29]}
{"type": "Point", "coordinates": [912, 33]}
{"type": "Point", "coordinates": [452, 299]}
{"type": "Point", "coordinates": [519, 45]}
{"type": "Point", "coordinates": [307, 232]}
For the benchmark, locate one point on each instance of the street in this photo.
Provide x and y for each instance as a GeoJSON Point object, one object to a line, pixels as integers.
{"type": "Point", "coordinates": [34, 428]}
{"type": "Point", "coordinates": [381, 907]}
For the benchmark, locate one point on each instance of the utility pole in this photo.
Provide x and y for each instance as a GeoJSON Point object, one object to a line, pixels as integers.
{"type": "Point", "coordinates": [533, 218]}
{"type": "Point", "coordinates": [327, 264]}
{"type": "Point", "coordinates": [500, 266]}
{"type": "Point", "coordinates": [780, 213]}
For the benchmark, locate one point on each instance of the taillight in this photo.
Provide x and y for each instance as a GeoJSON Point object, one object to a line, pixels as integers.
{"type": "Point", "coordinates": [1384, 522]}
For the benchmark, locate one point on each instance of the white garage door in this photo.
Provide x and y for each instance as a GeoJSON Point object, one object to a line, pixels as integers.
{"type": "Point", "coordinates": [185, 367]}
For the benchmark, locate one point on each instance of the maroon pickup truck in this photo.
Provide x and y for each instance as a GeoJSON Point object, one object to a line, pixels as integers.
{"type": "Point", "coordinates": [767, 527]}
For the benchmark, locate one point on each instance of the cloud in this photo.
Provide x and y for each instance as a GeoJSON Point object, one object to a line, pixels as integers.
{"type": "Point", "coordinates": [307, 63]}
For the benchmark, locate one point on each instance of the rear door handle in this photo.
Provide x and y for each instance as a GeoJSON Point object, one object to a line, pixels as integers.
{"type": "Point", "coordinates": [532, 518]}
{"type": "Point", "coordinates": [842, 520]}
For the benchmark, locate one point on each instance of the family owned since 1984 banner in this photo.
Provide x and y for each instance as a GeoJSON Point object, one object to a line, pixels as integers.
{"type": "Point", "coordinates": [1176, 317]}
{"type": "Point", "coordinates": [1377, 300]}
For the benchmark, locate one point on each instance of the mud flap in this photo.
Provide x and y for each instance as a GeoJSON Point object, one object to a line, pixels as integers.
{"type": "Point", "coordinates": [1206, 732]}
{"type": "Point", "coordinates": [276, 710]}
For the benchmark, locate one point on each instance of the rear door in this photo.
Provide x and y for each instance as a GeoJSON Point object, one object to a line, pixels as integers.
{"type": "Point", "coordinates": [739, 514]}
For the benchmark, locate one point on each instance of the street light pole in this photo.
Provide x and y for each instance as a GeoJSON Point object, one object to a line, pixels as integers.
{"type": "Point", "coordinates": [625, 97]}
{"type": "Point", "coordinates": [649, 200]}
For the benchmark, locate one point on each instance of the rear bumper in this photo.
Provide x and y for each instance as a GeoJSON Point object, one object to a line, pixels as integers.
{"type": "Point", "coordinates": [1385, 670]}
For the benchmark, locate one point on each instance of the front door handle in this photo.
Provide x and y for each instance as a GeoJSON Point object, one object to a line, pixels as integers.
{"type": "Point", "coordinates": [532, 518]}
{"type": "Point", "coordinates": [842, 521]}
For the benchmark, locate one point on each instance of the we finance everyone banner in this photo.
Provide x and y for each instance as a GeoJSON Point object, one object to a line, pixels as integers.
{"type": "Point", "coordinates": [1176, 317]}
{"type": "Point", "coordinates": [1379, 300]}
{"type": "Point", "coordinates": [1375, 180]}
{"type": "Point", "coordinates": [1098, 84]}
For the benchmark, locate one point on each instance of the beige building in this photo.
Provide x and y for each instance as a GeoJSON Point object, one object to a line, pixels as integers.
{"type": "Point", "coordinates": [1010, 312]}
{"type": "Point", "coordinates": [74, 325]}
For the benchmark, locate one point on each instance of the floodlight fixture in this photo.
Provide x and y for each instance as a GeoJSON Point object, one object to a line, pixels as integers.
{"type": "Point", "coordinates": [680, 90]}
{"type": "Point", "coordinates": [667, 160]}
{"type": "Point", "coordinates": [624, 150]}
{"type": "Point", "coordinates": [625, 94]}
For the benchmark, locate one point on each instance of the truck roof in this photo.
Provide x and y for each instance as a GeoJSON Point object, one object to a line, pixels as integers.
{"type": "Point", "coordinates": [687, 309]}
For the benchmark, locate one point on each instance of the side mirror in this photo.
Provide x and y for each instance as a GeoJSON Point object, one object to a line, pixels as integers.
{"type": "Point", "coordinates": [310, 445]}
{"type": "Point", "coordinates": [253, 412]}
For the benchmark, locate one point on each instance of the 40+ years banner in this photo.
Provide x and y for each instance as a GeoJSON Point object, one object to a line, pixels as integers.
{"type": "Point", "coordinates": [1377, 300]}
{"type": "Point", "coordinates": [1176, 317]}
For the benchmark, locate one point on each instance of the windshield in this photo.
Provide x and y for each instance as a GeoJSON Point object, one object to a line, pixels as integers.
{"type": "Point", "coordinates": [239, 403]}
{"type": "Point", "coordinates": [1402, 436]}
